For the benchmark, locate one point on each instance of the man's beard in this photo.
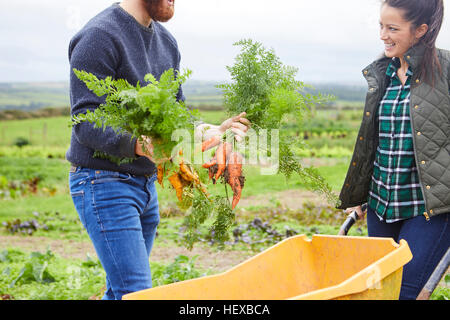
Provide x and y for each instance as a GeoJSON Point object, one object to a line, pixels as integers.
{"type": "Point", "coordinates": [158, 11]}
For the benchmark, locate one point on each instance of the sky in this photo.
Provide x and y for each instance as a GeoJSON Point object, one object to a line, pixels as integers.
{"type": "Point", "coordinates": [327, 40]}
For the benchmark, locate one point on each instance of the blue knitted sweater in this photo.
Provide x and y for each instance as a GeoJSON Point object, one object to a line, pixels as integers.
{"type": "Point", "coordinates": [114, 44]}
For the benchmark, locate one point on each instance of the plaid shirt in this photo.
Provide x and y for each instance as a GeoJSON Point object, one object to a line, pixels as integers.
{"type": "Point", "coordinates": [395, 192]}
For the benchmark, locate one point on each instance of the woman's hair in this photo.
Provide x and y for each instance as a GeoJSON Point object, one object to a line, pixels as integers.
{"type": "Point", "coordinates": [418, 12]}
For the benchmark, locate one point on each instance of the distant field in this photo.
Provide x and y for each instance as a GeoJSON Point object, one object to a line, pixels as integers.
{"type": "Point", "coordinates": [56, 131]}
{"type": "Point", "coordinates": [204, 101]}
{"type": "Point", "coordinates": [43, 132]}
{"type": "Point", "coordinates": [32, 96]}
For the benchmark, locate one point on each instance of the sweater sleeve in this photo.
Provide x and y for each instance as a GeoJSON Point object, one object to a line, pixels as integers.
{"type": "Point", "coordinates": [180, 94]}
{"type": "Point", "coordinates": [94, 51]}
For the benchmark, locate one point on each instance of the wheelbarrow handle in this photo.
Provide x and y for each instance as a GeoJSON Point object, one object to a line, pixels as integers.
{"type": "Point", "coordinates": [350, 221]}
{"type": "Point", "coordinates": [435, 277]}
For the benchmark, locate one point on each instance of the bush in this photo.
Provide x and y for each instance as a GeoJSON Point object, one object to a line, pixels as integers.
{"type": "Point", "coordinates": [21, 141]}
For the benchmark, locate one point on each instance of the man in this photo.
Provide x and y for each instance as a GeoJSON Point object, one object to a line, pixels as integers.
{"type": "Point", "coordinates": [118, 204]}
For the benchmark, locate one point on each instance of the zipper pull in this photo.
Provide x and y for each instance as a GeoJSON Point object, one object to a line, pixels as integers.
{"type": "Point", "coordinates": [426, 216]}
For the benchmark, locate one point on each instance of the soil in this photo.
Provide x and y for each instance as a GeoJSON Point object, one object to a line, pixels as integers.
{"type": "Point", "coordinates": [292, 199]}
{"type": "Point", "coordinates": [207, 258]}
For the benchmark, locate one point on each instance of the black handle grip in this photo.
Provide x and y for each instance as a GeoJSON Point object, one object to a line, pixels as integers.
{"type": "Point", "coordinates": [350, 221]}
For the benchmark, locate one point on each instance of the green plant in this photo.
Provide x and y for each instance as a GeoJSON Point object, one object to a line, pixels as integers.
{"type": "Point", "coordinates": [47, 276]}
{"type": "Point", "coordinates": [151, 110]}
{"type": "Point", "coordinates": [26, 227]}
{"type": "Point", "coordinates": [442, 293]}
{"type": "Point", "coordinates": [266, 89]}
{"type": "Point", "coordinates": [20, 142]}
{"type": "Point", "coordinates": [181, 269]}
{"type": "Point", "coordinates": [154, 111]}
{"type": "Point", "coordinates": [262, 87]}
{"type": "Point", "coordinates": [35, 269]}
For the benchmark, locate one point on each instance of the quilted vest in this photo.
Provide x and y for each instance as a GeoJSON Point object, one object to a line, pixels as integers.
{"type": "Point", "coordinates": [430, 121]}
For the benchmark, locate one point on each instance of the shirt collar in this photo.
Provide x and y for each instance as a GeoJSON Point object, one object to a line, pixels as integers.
{"type": "Point", "coordinates": [391, 70]}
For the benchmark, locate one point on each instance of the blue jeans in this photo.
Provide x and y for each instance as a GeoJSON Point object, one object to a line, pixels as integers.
{"type": "Point", "coordinates": [428, 241]}
{"type": "Point", "coordinates": [120, 213]}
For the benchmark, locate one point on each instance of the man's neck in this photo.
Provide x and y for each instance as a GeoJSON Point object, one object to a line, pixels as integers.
{"type": "Point", "coordinates": [137, 9]}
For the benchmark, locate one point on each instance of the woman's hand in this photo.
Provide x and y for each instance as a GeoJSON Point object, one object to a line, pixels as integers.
{"type": "Point", "coordinates": [358, 210]}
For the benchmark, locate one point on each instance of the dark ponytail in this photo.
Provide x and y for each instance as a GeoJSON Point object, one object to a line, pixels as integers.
{"type": "Point", "coordinates": [430, 12]}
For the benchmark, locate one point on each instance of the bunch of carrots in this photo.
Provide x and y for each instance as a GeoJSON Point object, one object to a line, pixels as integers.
{"type": "Point", "coordinates": [225, 163]}
{"type": "Point", "coordinates": [185, 176]}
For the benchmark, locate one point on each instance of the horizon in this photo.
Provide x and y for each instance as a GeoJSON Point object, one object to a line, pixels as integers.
{"type": "Point", "coordinates": [66, 82]}
{"type": "Point", "coordinates": [330, 45]}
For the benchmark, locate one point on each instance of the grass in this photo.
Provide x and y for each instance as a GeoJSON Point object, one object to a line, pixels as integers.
{"type": "Point", "coordinates": [56, 131]}
{"type": "Point", "coordinates": [44, 158]}
{"type": "Point", "coordinates": [33, 94]}
{"type": "Point", "coordinates": [52, 171]}
{"type": "Point", "coordinates": [42, 132]}
{"type": "Point", "coordinates": [66, 279]}
{"type": "Point", "coordinates": [48, 276]}
{"type": "Point", "coordinates": [57, 212]}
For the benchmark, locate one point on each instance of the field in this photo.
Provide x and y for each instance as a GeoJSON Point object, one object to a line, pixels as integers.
{"type": "Point", "coordinates": [46, 254]}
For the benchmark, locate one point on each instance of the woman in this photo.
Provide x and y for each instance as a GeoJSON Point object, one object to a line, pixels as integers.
{"type": "Point", "coordinates": [401, 162]}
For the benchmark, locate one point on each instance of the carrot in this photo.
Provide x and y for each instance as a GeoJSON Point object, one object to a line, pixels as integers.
{"type": "Point", "coordinates": [211, 173]}
{"type": "Point", "coordinates": [211, 162]}
{"type": "Point", "coordinates": [236, 192]}
{"type": "Point", "coordinates": [234, 175]}
{"type": "Point", "coordinates": [210, 166]}
{"type": "Point", "coordinates": [222, 151]}
{"type": "Point", "coordinates": [210, 143]}
{"type": "Point", "coordinates": [160, 175]}
{"type": "Point", "coordinates": [177, 184]}
{"type": "Point", "coordinates": [191, 176]}
{"type": "Point", "coordinates": [188, 174]}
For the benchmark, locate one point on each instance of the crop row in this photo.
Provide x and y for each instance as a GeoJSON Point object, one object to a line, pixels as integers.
{"type": "Point", "coordinates": [12, 189]}
{"type": "Point", "coordinates": [37, 275]}
{"type": "Point", "coordinates": [33, 152]}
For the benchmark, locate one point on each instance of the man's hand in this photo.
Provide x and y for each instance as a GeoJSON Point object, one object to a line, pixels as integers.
{"type": "Point", "coordinates": [144, 148]}
{"type": "Point", "coordinates": [239, 125]}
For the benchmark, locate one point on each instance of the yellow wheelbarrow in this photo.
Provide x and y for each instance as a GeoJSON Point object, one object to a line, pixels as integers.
{"type": "Point", "coordinates": [435, 277]}
{"type": "Point", "coordinates": [324, 267]}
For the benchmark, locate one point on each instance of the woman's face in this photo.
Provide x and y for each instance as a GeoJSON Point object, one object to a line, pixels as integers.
{"type": "Point", "coordinates": [395, 32]}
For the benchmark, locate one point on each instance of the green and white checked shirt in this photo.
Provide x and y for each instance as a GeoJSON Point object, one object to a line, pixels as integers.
{"type": "Point", "coordinates": [395, 192]}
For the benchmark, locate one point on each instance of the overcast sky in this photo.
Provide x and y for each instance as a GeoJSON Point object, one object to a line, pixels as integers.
{"type": "Point", "coordinates": [328, 40]}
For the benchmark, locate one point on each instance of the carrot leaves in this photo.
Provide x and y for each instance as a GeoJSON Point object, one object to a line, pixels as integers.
{"type": "Point", "coordinates": [268, 91]}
